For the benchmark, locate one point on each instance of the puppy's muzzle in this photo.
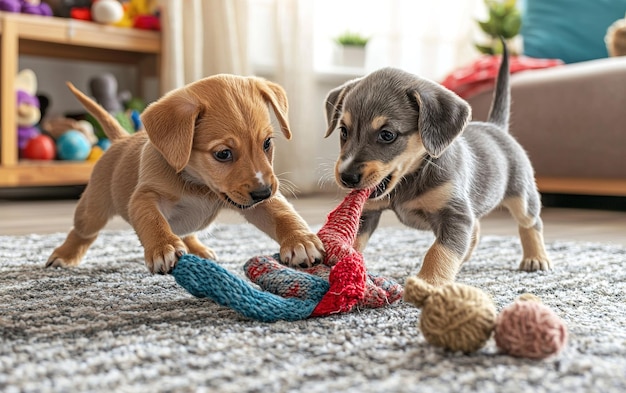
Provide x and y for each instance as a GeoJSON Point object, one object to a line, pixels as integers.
{"type": "Point", "coordinates": [350, 179]}
{"type": "Point", "coordinates": [260, 194]}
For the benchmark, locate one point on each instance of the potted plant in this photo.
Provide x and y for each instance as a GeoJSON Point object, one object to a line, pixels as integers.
{"type": "Point", "coordinates": [350, 49]}
{"type": "Point", "coordinates": [504, 21]}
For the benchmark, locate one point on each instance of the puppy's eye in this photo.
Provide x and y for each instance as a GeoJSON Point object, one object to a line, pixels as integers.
{"type": "Point", "coordinates": [386, 136]}
{"type": "Point", "coordinates": [343, 133]}
{"type": "Point", "coordinates": [223, 155]}
{"type": "Point", "coordinates": [267, 144]}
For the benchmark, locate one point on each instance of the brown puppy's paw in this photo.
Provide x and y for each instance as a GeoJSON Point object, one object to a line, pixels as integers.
{"type": "Point", "coordinates": [195, 247]}
{"type": "Point", "coordinates": [162, 258]}
{"type": "Point", "coordinates": [302, 249]}
{"type": "Point", "coordinates": [204, 252]}
{"type": "Point", "coordinates": [534, 264]}
{"type": "Point", "coordinates": [62, 260]}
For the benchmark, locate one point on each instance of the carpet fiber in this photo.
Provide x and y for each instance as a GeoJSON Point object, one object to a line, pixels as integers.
{"type": "Point", "coordinates": [110, 326]}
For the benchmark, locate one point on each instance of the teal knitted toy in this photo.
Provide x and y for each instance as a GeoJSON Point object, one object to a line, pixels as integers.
{"type": "Point", "coordinates": [338, 285]}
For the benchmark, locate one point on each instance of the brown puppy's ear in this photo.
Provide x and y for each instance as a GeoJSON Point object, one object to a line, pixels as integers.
{"type": "Point", "coordinates": [276, 96]}
{"type": "Point", "coordinates": [170, 123]}
{"type": "Point", "coordinates": [442, 116]}
{"type": "Point", "coordinates": [334, 104]}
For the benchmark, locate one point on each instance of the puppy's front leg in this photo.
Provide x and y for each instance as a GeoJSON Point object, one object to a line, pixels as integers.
{"type": "Point", "coordinates": [162, 247]}
{"type": "Point", "coordinates": [443, 259]}
{"type": "Point", "coordinates": [279, 220]}
{"type": "Point", "coordinates": [367, 226]}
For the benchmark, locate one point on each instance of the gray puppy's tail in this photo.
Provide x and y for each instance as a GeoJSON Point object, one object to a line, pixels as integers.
{"type": "Point", "coordinates": [500, 106]}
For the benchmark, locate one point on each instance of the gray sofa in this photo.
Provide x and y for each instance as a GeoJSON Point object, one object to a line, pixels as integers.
{"type": "Point", "coordinates": [571, 120]}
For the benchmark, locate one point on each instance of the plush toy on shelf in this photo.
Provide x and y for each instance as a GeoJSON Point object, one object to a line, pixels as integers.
{"type": "Point", "coordinates": [104, 89]}
{"type": "Point", "coordinates": [28, 111]}
{"type": "Point", "coordinates": [141, 14]}
{"type": "Point", "coordinates": [58, 125]}
{"type": "Point", "coordinates": [34, 7]}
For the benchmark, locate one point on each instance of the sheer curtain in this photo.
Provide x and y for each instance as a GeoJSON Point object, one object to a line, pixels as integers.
{"type": "Point", "coordinates": [296, 159]}
{"type": "Point", "coordinates": [202, 38]}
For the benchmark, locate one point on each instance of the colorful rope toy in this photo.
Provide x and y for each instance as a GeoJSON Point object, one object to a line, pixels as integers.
{"type": "Point", "coordinates": [338, 285]}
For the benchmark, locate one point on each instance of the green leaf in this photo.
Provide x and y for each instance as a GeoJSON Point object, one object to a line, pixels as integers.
{"type": "Point", "coordinates": [488, 50]}
{"type": "Point", "coordinates": [351, 39]}
{"type": "Point", "coordinates": [511, 25]}
{"type": "Point", "coordinates": [510, 4]}
{"type": "Point", "coordinates": [487, 28]}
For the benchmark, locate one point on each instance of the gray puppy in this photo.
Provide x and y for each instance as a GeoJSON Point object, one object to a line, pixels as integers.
{"type": "Point", "coordinates": [410, 140]}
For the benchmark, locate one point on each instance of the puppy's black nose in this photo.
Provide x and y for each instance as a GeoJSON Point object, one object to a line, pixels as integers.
{"type": "Point", "coordinates": [350, 180]}
{"type": "Point", "coordinates": [261, 194]}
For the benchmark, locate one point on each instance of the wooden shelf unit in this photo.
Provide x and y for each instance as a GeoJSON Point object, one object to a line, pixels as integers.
{"type": "Point", "coordinates": [66, 39]}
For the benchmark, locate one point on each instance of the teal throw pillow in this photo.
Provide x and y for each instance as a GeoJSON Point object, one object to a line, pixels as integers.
{"type": "Point", "coordinates": [570, 30]}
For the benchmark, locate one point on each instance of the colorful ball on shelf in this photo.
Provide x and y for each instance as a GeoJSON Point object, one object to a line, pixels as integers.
{"type": "Point", "coordinates": [73, 146]}
{"type": "Point", "coordinates": [95, 154]}
{"type": "Point", "coordinates": [104, 143]}
{"type": "Point", "coordinates": [41, 147]}
{"type": "Point", "coordinates": [107, 11]}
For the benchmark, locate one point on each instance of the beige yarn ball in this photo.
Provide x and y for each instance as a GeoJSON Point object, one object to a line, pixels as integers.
{"type": "Point", "coordinates": [457, 317]}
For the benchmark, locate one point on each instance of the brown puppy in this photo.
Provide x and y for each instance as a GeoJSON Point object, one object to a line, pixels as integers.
{"type": "Point", "coordinates": [207, 146]}
{"type": "Point", "coordinates": [411, 140]}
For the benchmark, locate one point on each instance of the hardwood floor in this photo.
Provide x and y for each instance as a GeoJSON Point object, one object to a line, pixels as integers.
{"type": "Point", "coordinates": [49, 216]}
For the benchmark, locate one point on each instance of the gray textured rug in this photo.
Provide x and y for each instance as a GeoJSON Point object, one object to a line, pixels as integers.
{"type": "Point", "coordinates": [109, 326]}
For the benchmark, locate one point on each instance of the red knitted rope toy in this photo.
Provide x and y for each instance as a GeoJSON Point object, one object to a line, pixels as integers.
{"type": "Point", "coordinates": [344, 269]}
{"type": "Point", "coordinates": [335, 286]}
{"type": "Point", "coordinates": [348, 275]}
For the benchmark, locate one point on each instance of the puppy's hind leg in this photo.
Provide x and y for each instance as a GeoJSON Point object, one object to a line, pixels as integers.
{"type": "Point", "coordinates": [89, 218]}
{"type": "Point", "coordinates": [526, 213]}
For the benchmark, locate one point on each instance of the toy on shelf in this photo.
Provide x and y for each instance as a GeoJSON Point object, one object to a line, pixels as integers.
{"type": "Point", "coordinates": [141, 14]}
{"type": "Point", "coordinates": [104, 89]}
{"type": "Point", "coordinates": [59, 125]}
{"type": "Point", "coordinates": [28, 111]}
{"type": "Point", "coordinates": [41, 147]}
{"type": "Point", "coordinates": [463, 318]}
{"type": "Point", "coordinates": [73, 146]}
{"type": "Point", "coordinates": [34, 7]}
{"type": "Point", "coordinates": [339, 285]}
{"type": "Point", "coordinates": [107, 11]}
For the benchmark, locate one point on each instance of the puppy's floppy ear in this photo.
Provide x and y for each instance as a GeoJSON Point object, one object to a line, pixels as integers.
{"type": "Point", "coordinates": [334, 104]}
{"type": "Point", "coordinates": [276, 96]}
{"type": "Point", "coordinates": [442, 115]}
{"type": "Point", "coordinates": [170, 124]}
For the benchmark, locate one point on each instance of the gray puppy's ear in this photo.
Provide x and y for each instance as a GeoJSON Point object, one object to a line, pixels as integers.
{"type": "Point", "coordinates": [442, 116]}
{"type": "Point", "coordinates": [334, 104]}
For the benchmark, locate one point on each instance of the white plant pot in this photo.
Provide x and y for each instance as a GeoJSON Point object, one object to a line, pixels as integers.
{"type": "Point", "coordinates": [350, 56]}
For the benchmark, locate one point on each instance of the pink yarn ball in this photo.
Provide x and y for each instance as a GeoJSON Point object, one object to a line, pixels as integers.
{"type": "Point", "coordinates": [530, 329]}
